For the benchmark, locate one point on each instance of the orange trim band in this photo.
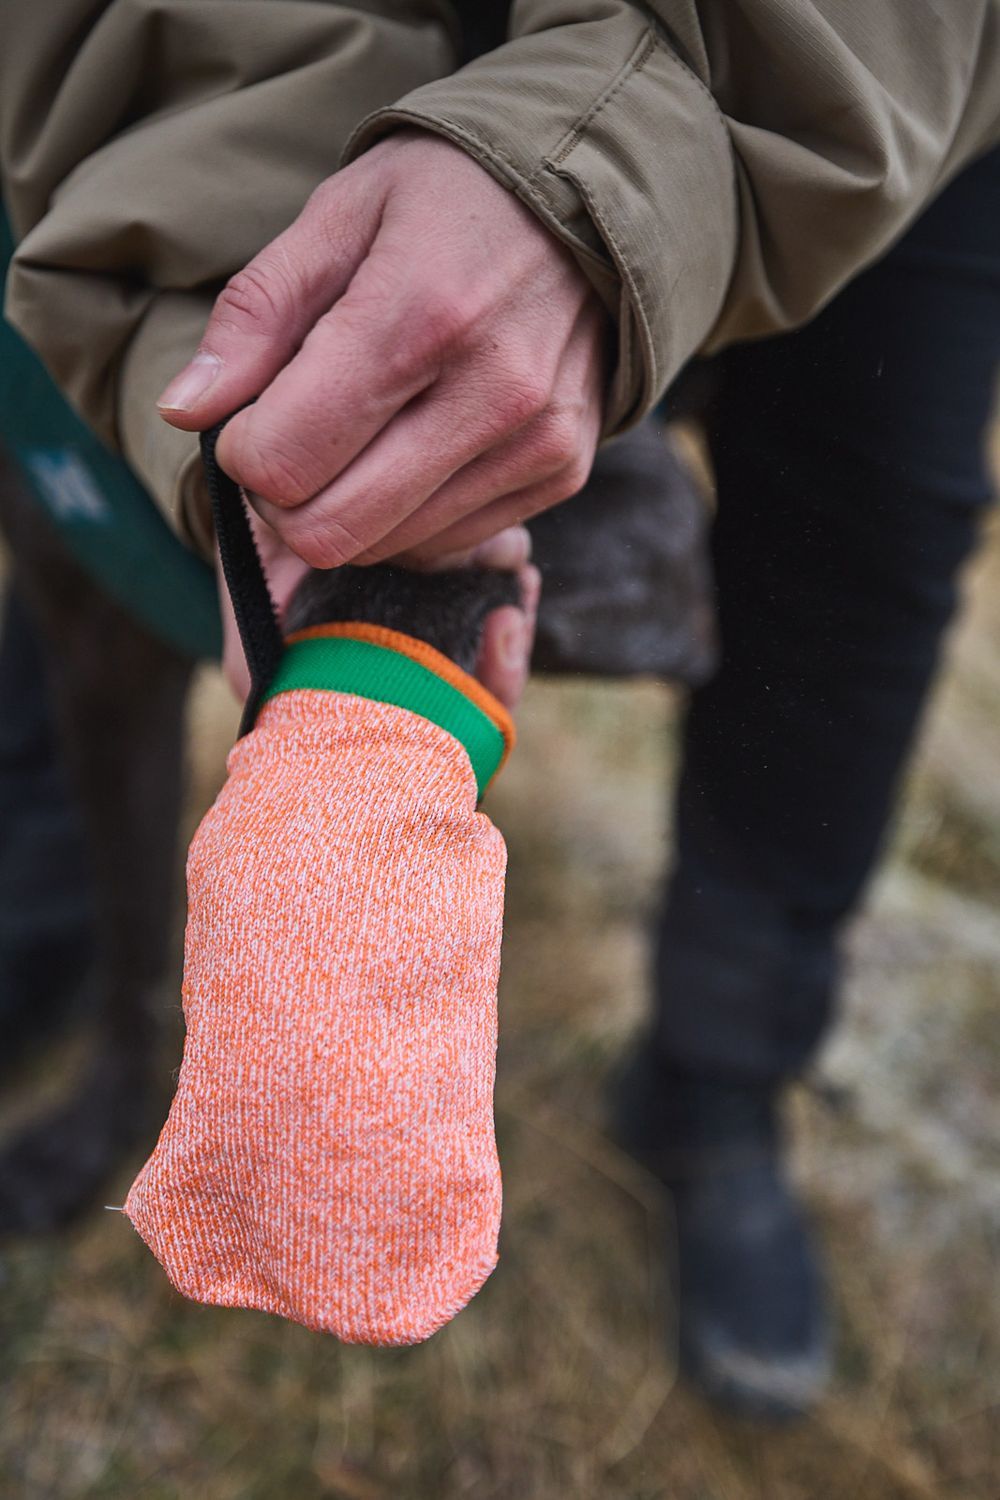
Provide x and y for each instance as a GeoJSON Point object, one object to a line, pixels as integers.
{"type": "Point", "coordinates": [427, 656]}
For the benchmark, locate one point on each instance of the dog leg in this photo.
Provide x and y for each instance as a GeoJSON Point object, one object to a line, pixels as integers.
{"type": "Point", "coordinates": [118, 696]}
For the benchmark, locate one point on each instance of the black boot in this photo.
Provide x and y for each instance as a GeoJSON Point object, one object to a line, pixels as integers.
{"type": "Point", "coordinates": [752, 1324]}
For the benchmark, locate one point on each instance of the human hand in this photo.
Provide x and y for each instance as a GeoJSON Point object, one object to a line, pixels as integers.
{"type": "Point", "coordinates": [508, 632]}
{"type": "Point", "coordinates": [424, 358]}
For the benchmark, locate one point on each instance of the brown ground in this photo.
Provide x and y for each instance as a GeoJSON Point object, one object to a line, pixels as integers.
{"type": "Point", "coordinates": [557, 1381]}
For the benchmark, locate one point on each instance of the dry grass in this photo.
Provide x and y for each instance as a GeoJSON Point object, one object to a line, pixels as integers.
{"type": "Point", "coordinates": [557, 1381]}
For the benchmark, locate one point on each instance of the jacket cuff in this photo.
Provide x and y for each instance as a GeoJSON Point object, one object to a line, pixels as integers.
{"type": "Point", "coordinates": [614, 143]}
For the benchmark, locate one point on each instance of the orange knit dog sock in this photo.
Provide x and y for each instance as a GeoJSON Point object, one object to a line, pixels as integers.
{"type": "Point", "coordinates": [329, 1154]}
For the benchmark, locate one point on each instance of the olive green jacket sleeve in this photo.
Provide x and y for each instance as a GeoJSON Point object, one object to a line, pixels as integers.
{"type": "Point", "coordinates": [719, 167]}
{"type": "Point", "coordinates": [149, 149]}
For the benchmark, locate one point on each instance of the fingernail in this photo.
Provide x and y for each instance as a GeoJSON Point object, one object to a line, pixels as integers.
{"type": "Point", "coordinates": [187, 388]}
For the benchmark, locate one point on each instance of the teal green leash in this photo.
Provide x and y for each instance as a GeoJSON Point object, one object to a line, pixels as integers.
{"type": "Point", "coordinates": [104, 515]}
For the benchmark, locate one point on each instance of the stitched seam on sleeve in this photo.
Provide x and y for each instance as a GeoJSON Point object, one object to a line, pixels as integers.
{"type": "Point", "coordinates": [532, 186]}
{"type": "Point", "coordinates": [640, 56]}
{"type": "Point", "coordinates": [674, 54]}
{"type": "Point", "coordinates": [651, 42]}
{"type": "Point", "coordinates": [427, 118]}
{"type": "Point", "coordinates": [624, 271]}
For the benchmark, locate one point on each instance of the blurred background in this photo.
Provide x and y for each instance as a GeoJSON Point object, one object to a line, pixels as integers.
{"type": "Point", "coordinates": [558, 1379]}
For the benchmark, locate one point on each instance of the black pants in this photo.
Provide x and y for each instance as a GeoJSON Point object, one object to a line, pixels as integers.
{"type": "Point", "coordinates": [851, 480]}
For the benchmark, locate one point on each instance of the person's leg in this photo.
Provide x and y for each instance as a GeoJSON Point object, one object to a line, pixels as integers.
{"type": "Point", "coordinates": [850, 459]}
{"type": "Point", "coordinates": [851, 477]}
{"type": "Point", "coordinates": [46, 900]}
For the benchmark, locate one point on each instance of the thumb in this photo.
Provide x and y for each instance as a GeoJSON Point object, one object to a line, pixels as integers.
{"type": "Point", "coordinates": [263, 314]}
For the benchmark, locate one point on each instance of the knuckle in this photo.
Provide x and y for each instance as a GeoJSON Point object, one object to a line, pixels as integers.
{"type": "Point", "coordinates": [427, 336]}
{"type": "Point", "coordinates": [273, 467]}
{"type": "Point", "coordinates": [444, 322]}
{"type": "Point", "coordinates": [576, 473]}
{"type": "Point", "coordinates": [522, 400]}
{"type": "Point", "coordinates": [313, 549]}
{"type": "Point", "coordinates": [323, 541]}
{"type": "Point", "coordinates": [323, 198]}
{"type": "Point", "coordinates": [558, 440]}
{"type": "Point", "coordinates": [253, 296]}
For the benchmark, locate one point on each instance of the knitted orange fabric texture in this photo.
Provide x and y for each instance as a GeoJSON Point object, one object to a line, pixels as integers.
{"type": "Point", "coordinates": [329, 1154]}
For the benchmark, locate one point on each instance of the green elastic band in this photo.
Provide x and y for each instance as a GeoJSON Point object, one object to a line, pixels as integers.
{"type": "Point", "coordinates": [339, 664]}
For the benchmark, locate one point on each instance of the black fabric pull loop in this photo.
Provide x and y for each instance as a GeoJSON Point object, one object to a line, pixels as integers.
{"type": "Point", "coordinates": [245, 580]}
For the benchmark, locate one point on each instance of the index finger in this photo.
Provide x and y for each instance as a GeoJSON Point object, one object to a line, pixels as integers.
{"type": "Point", "coordinates": [379, 346]}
